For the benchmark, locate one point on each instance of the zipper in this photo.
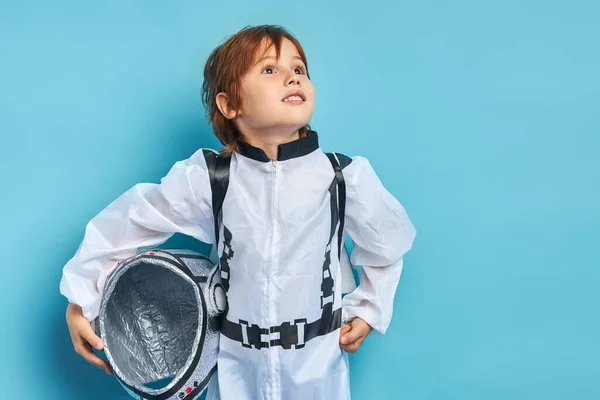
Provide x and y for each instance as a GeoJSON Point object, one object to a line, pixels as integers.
{"type": "Point", "coordinates": [270, 272]}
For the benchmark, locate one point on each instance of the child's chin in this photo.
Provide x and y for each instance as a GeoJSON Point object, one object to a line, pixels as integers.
{"type": "Point", "coordinates": [299, 119]}
{"type": "Point", "coordinates": [289, 120]}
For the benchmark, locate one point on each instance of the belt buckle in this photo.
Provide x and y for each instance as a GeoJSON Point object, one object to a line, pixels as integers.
{"type": "Point", "coordinates": [289, 334]}
{"type": "Point", "coordinates": [251, 335]}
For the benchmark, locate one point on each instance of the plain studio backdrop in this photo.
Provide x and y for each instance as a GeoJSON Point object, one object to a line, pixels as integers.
{"type": "Point", "coordinates": [481, 117]}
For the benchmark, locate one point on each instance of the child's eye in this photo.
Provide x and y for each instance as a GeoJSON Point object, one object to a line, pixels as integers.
{"type": "Point", "coordinates": [267, 69]}
{"type": "Point", "coordinates": [300, 70]}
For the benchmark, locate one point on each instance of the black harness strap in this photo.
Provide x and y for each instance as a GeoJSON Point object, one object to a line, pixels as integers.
{"type": "Point", "coordinates": [341, 184]}
{"type": "Point", "coordinates": [218, 172]}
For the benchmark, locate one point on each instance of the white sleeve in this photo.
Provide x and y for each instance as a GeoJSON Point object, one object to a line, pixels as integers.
{"type": "Point", "coordinates": [382, 233]}
{"type": "Point", "coordinates": [146, 215]}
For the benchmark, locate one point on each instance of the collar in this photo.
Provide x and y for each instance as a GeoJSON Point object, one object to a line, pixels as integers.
{"type": "Point", "coordinates": [285, 151]}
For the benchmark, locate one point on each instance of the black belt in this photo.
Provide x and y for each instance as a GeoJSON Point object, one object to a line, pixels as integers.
{"type": "Point", "coordinates": [294, 334]}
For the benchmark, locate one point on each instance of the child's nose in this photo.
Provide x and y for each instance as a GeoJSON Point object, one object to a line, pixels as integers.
{"type": "Point", "coordinates": [293, 80]}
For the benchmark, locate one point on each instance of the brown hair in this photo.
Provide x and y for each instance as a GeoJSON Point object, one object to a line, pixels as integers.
{"type": "Point", "coordinates": [226, 66]}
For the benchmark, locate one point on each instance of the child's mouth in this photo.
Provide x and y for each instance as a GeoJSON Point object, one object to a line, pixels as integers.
{"type": "Point", "coordinates": [293, 100]}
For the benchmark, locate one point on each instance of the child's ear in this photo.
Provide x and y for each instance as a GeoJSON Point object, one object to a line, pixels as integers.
{"type": "Point", "coordinates": [225, 106]}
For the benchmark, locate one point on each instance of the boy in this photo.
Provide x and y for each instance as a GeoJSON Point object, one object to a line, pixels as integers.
{"type": "Point", "coordinates": [282, 336]}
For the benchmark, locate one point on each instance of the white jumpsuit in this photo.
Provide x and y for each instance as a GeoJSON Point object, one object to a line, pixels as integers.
{"type": "Point", "coordinates": [278, 244]}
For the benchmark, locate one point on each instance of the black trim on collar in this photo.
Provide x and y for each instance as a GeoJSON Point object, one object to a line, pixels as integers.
{"type": "Point", "coordinates": [285, 151]}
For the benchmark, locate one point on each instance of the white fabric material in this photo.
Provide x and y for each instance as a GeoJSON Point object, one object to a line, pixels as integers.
{"type": "Point", "coordinates": [348, 281]}
{"type": "Point", "coordinates": [279, 216]}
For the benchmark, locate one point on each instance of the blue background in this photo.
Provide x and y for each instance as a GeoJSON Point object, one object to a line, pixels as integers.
{"type": "Point", "coordinates": [481, 117]}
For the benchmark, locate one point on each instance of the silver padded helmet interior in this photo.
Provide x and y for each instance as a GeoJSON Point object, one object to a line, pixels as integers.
{"type": "Point", "coordinates": [159, 319]}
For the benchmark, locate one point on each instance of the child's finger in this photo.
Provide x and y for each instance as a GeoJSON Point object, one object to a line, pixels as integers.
{"type": "Point", "coordinates": [353, 347]}
{"type": "Point", "coordinates": [87, 333]}
{"type": "Point", "coordinates": [84, 349]}
{"type": "Point", "coordinates": [343, 331]}
{"type": "Point", "coordinates": [351, 336]}
{"type": "Point", "coordinates": [98, 362]}
{"type": "Point", "coordinates": [345, 328]}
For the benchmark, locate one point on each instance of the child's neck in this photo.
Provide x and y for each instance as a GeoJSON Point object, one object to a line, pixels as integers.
{"type": "Point", "coordinates": [269, 142]}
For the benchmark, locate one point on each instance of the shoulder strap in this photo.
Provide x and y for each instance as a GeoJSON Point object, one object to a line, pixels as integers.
{"type": "Point", "coordinates": [340, 161]}
{"type": "Point", "coordinates": [218, 173]}
{"type": "Point", "coordinates": [343, 160]}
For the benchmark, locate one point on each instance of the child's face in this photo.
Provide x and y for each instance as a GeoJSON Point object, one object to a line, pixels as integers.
{"type": "Point", "coordinates": [266, 86]}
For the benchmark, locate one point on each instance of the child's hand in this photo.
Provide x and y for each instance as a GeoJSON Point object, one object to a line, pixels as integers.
{"type": "Point", "coordinates": [353, 334]}
{"type": "Point", "coordinates": [83, 337]}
